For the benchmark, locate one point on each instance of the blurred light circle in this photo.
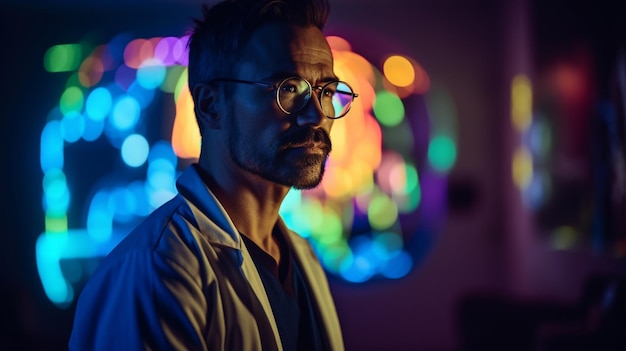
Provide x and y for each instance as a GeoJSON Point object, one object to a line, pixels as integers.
{"type": "Point", "coordinates": [72, 126]}
{"type": "Point", "coordinates": [98, 104]}
{"type": "Point", "coordinates": [72, 100]}
{"type": "Point", "coordinates": [125, 113]}
{"type": "Point", "coordinates": [151, 74]}
{"type": "Point", "coordinates": [388, 108]}
{"type": "Point", "coordinates": [399, 71]}
{"type": "Point", "coordinates": [135, 150]}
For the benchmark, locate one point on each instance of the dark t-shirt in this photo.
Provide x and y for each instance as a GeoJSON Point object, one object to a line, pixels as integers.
{"type": "Point", "coordinates": [289, 298]}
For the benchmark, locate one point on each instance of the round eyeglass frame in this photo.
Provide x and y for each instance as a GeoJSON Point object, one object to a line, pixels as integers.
{"type": "Point", "coordinates": [276, 87]}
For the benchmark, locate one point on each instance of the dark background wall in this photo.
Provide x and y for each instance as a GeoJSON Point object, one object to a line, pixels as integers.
{"type": "Point", "coordinates": [489, 244]}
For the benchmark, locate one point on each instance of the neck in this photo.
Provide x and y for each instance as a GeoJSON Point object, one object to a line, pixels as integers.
{"type": "Point", "coordinates": [252, 203]}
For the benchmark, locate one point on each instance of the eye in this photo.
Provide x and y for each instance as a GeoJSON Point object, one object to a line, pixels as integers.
{"type": "Point", "coordinates": [330, 90]}
{"type": "Point", "coordinates": [289, 88]}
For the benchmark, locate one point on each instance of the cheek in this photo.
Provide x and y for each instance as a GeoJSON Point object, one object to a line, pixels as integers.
{"type": "Point", "coordinates": [257, 119]}
{"type": "Point", "coordinates": [329, 124]}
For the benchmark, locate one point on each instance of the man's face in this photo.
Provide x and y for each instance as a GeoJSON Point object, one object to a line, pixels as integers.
{"type": "Point", "coordinates": [287, 149]}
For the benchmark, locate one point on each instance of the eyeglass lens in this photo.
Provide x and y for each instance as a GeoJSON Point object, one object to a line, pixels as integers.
{"type": "Point", "coordinates": [335, 98]}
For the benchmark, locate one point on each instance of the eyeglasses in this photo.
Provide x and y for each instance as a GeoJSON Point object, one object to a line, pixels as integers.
{"type": "Point", "coordinates": [294, 93]}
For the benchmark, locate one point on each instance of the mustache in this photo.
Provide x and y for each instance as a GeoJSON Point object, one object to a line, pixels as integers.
{"type": "Point", "coordinates": [302, 136]}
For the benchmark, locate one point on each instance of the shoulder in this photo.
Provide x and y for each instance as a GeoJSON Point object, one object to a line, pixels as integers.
{"type": "Point", "coordinates": [162, 241]}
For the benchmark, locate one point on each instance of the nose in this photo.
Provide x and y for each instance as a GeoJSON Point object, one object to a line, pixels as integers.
{"type": "Point", "coordinates": [312, 112]}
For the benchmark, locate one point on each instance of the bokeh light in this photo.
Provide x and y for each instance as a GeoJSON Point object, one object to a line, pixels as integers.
{"type": "Point", "coordinates": [399, 71]}
{"type": "Point", "coordinates": [388, 109]}
{"type": "Point", "coordinates": [125, 114]}
{"type": "Point", "coordinates": [442, 153]}
{"type": "Point", "coordinates": [521, 102]}
{"type": "Point", "coordinates": [72, 100]}
{"type": "Point", "coordinates": [62, 58]}
{"type": "Point", "coordinates": [359, 220]}
{"type": "Point", "coordinates": [135, 150]}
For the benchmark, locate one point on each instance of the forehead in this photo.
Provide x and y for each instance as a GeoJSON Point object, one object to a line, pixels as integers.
{"type": "Point", "coordinates": [280, 48]}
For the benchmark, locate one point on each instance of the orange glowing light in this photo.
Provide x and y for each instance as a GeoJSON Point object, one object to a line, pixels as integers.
{"type": "Point", "coordinates": [90, 71]}
{"type": "Point", "coordinates": [357, 138]}
{"type": "Point", "coordinates": [185, 134]}
{"type": "Point", "coordinates": [399, 71]}
{"type": "Point", "coordinates": [340, 183]}
{"type": "Point", "coordinates": [338, 43]}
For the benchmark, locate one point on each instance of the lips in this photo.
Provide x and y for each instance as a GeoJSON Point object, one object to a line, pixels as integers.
{"type": "Point", "coordinates": [311, 148]}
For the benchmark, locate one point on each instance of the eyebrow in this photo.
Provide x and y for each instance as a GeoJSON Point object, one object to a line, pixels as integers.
{"type": "Point", "coordinates": [278, 76]}
{"type": "Point", "coordinates": [329, 79]}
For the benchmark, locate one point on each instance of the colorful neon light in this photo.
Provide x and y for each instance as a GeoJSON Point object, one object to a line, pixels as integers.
{"type": "Point", "coordinates": [360, 220]}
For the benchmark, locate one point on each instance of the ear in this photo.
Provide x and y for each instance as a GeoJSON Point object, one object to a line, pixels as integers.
{"type": "Point", "coordinates": [205, 99]}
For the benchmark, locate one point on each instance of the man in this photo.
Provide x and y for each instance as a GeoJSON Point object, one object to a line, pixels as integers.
{"type": "Point", "coordinates": [216, 268]}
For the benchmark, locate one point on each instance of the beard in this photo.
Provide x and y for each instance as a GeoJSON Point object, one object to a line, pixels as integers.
{"type": "Point", "coordinates": [282, 161]}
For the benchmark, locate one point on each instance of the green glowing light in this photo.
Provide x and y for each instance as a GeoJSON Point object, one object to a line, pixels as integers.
{"type": "Point", "coordinates": [335, 255]}
{"type": "Point", "coordinates": [382, 212]}
{"type": "Point", "coordinates": [332, 229]}
{"type": "Point", "coordinates": [171, 79]}
{"type": "Point", "coordinates": [63, 58]}
{"type": "Point", "coordinates": [87, 99]}
{"type": "Point", "coordinates": [412, 180]}
{"type": "Point", "coordinates": [442, 153]}
{"type": "Point", "coordinates": [410, 199]}
{"type": "Point", "coordinates": [312, 214]}
{"type": "Point", "coordinates": [388, 109]}
{"type": "Point", "coordinates": [180, 84]}
{"type": "Point", "coordinates": [56, 224]}
{"type": "Point", "coordinates": [71, 100]}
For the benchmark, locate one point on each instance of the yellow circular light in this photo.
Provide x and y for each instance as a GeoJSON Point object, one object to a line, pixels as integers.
{"type": "Point", "coordinates": [399, 71]}
{"type": "Point", "coordinates": [522, 168]}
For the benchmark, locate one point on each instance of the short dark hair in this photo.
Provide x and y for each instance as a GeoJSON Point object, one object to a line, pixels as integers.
{"type": "Point", "coordinates": [217, 38]}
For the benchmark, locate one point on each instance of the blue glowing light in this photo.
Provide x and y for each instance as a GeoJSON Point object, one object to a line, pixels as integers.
{"type": "Point", "coordinates": [398, 266]}
{"type": "Point", "coordinates": [135, 150]}
{"type": "Point", "coordinates": [151, 74]}
{"type": "Point", "coordinates": [100, 217]}
{"type": "Point", "coordinates": [146, 179]}
{"type": "Point", "coordinates": [161, 174]}
{"type": "Point", "coordinates": [138, 190]}
{"type": "Point", "coordinates": [123, 204]}
{"type": "Point", "coordinates": [357, 269]}
{"type": "Point", "coordinates": [72, 126]}
{"type": "Point", "coordinates": [93, 129]}
{"type": "Point", "coordinates": [51, 148]}
{"type": "Point", "coordinates": [56, 194]}
{"type": "Point", "coordinates": [125, 113]}
{"type": "Point", "coordinates": [143, 95]}
{"type": "Point", "coordinates": [51, 248]}
{"type": "Point", "coordinates": [363, 263]}
{"type": "Point", "coordinates": [163, 150]}
{"type": "Point", "coordinates": [98, 104]}
{"type": "Point", "coordinates": [161, 178]}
